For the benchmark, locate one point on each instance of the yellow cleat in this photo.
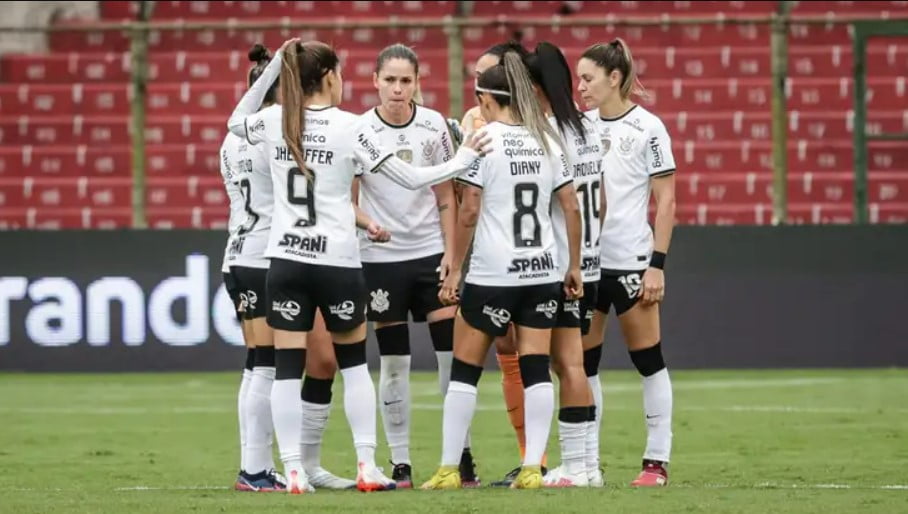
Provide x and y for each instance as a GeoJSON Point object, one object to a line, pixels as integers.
{"type": "Point", "coordinates": [530, 477]}
{"type": "Point", "coordinates": [447, 477]}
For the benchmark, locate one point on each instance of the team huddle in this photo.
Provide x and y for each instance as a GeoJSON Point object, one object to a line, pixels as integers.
{"type": "Point", "coordinates": [519, 227]}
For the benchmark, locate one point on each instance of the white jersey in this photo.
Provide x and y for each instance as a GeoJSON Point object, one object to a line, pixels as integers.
{"type": "Point", "coordinates": [411, 216]}
{"type": "Point", "coordinates": [638, 148]}
{"type": "Point", "coordinates": [584, 160]}
{"type": "Point", "coordinates": [252, 177]}
{"type": "Point", "coordinates": [314, 221]}
{"type": "Point", "coordinates": [235, 197]}
{"type": "Point", "coordinates": [514, 243]}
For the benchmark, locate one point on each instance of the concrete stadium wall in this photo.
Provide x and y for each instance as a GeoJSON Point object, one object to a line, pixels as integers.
{"type": "Point", "coordinates": [737, 297]}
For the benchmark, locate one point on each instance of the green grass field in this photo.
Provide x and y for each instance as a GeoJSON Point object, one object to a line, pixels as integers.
{"type": "Point", "coordinates": [755, 441]}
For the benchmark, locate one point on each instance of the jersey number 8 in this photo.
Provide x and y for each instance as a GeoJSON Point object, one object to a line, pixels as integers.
{"type": "Point", "coordinates": [526, 197]}
{"type": "Point", "coordinates": [294, 175]}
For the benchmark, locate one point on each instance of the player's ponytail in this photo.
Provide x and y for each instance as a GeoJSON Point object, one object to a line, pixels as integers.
{"type": "Point", "coordinates": [616, 55]}
{"type": "Point", "coordinates": [550, 70]}
{"type": "Point", "coordinates": [293, 118]}
{"type": "Point", "coordinates": [524, 105]}
{"type": "Point", "coordinates": [302, 70]}
{"type": "Point", "coordinates": [260, 55]}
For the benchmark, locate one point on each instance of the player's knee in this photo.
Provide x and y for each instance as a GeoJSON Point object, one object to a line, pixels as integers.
{"type": "Point", "coordinates": [350, 355]}
{"type": "Point", "coordinates": [534, 369]}
{"type": "Point", "coordinates": [393, 339]}
{"type": "Point", "coordinates": [591, 360]}
{"type": "Point", "coordinates": [648, 361]}
{"type": "Point", "coordinates": [465, 373]}
{"type": "Point", "coordinates": [442, 334]}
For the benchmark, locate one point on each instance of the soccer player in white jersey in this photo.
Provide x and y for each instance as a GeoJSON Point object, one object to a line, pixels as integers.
{"type": "Point", "coordinates": [638, 163]}
{"type": "Point", "coordinates": [583, 151]}
{"type": "Point", "coordinates": [245, 169]}
{"type": "Point", "coordinates": [403, 274]}
{"type": "Point", "coordinates": [513, 275]}
{"type": "Point", "coordinates": [249, 267]}
{"type": "Point", "coordinates": [505, 346]}
{"type": "Point", "coordinates": [315, 150]}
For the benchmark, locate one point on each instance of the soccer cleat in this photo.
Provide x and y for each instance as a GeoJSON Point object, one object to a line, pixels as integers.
{"type": "Point", "coordinates": [595, 478]}
{"type": "Point", "coordinates": [263, 482]}
{"type": "Point", "coordinates": [467, 468]}
{"type": "Point", "coordinates": [446, 478]}
{"type": "Point", "coordinates": [402, 476]}
{"type": "Point", "coordinates": [508, 478]}
{"type": "Point", "coordinates": [529, 477]}
{"type": "Point", "coordinates": [298, 483]}
{"type": "Point", "coordinates": [654, 474]}
{"type": "Point", "coordinates": [371, 479]}
{"type": "Point", "coordinates": [559, 477]}
{"type": "Point", "coordinates": [320, 478]}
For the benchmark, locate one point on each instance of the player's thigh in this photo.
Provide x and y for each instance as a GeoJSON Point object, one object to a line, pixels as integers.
{"type": "Point", "coordinates": [640, 326]}
{"type": "Point", "coordinates": [320, 359]}
{"type": "Point", "coordinates": [290, 306]}
{"type": "Point", "coordinates": [506, 344]}
{"type": "Point", "coordinates": [341, 297]}
{"type": "Point", "coordinates": [424, 303]}
{"type": "Point", "coordinates": [535, 316]}
{"type": "Point", "coordinates": [471, 344]}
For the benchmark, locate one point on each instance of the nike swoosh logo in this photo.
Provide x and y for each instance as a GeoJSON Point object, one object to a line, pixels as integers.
{"type": "Point", "coordinates": [651, 417]}
{"type": "Point", "coordinates": [392, 403]}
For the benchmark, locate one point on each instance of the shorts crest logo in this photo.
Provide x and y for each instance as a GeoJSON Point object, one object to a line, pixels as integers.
{"type": "Point", "coordinates": [288, 309]}
{"type": "Point", "coordinates": [380, 301]}
{"type": "Point", "coordinates": [249, 299]}
{"type": "Point", "coordinates": [499, 317]}
{"type": "Point", "coordinates": [343, 310]}
{"type": "Point", "coordinates": [549, 308]}
{"type": "Point", "coordinates": [573, 307]}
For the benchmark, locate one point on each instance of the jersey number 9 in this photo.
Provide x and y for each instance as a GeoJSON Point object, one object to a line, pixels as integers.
{"type": "Point", "coordinates": [294, 176]}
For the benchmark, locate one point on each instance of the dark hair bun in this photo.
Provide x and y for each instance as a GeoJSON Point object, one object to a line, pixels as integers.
{"type": "Point", "coordinates": [259, 53]}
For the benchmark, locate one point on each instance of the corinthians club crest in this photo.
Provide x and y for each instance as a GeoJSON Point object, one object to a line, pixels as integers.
{"type": "Point", "coordinates": [626, 146]}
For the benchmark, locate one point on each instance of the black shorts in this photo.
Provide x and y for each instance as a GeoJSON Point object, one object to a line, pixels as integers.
{"type": "Point", "coordinates": [251, 286]}
{"type": "Point", "coordinates": [232, 292]}
{"type": "Point", "coordinates": [578, 313]}
{"type": "Point", "coordinates": [295, 290]}
{"type": "Point", "coordinates": [622, 289]}
{"type": "Point", "coordinates": [491, 309]}
{"type": "Point", "coordinates": [398, 288]}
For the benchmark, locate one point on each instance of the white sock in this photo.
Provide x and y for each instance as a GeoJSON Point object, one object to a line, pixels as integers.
{"type": "Point", "coordinates": [444, 377]}
{"type": "Point", "coordinates": [394, 397]}
{"type": "Point", "coordinates": [241, 412]}
{"type": "Point", "coordinates": [573, 445]}
{"type": "Point", "coordinates": [657, 405]}
{"type": "Point", "coordinates": [359, 405]}
{"type": "Point", "coordinates": [592, 434]}
{"type": "Point", "coordinates": [460, 405]}
{"type": "Point", "coordinates": [539, 406]}
{"type": "Point", "coordinates": [259, 431]}
{"type": "Point", "coordinates": [315, 418]}
{"type": "Point", "coordinates": [287, 413]}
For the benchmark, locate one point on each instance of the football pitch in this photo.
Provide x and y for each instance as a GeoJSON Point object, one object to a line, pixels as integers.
{"type": "Point", "coordinates": [744, 441]}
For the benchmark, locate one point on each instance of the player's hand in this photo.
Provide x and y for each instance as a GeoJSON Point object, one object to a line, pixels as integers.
{"type": "Point", "coordinates": [480, 142]}
{"type": "Point", "coordinates": [573, 284]}
{"type": "Point", "coordinates": [377, 233]}
{"type": "Point", "coordinates": [445, 267]}
{"type": "Point", "coordinates": [289, 42]}
{"type": "Point", "coordinates": [448, 294]}
{"type": "Point", "coordinates": [653, 286]}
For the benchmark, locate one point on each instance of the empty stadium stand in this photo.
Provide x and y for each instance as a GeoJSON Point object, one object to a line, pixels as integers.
{"type": "Point", "coordinates": [64, 115]}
